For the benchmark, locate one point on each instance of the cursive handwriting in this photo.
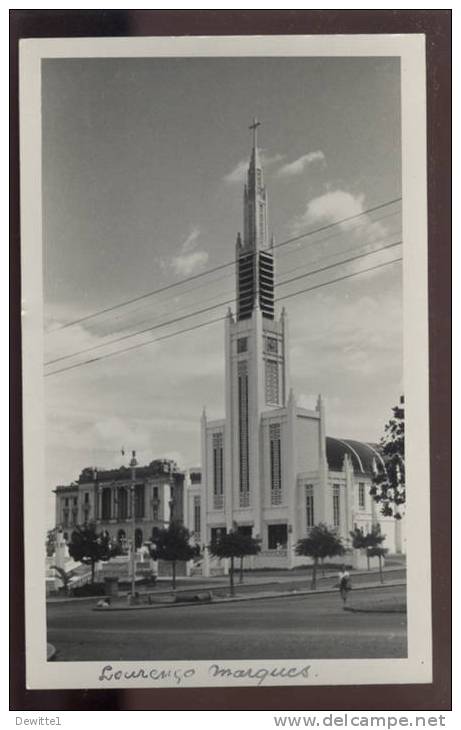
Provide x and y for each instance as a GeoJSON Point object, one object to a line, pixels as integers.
{"type": "Point", "coordinates": [175, 675]}
{"type": "Point", "coordinates": [259, 674]}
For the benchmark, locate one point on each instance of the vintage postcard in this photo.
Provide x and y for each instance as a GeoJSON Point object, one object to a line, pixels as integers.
{"type": "Point", "coordinates": [225, 364]}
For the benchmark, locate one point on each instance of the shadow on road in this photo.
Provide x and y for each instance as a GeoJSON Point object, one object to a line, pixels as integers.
{"type": "Point", "coordinates": [394, 609]}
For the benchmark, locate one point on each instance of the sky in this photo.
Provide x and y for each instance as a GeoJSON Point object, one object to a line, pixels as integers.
{"type": "Point", "coordinates": [143, 164]}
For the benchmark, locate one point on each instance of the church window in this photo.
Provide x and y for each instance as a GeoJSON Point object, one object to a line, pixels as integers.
{"type": "Point", "coordinates": [244, 484]}
{"type": "Point", "coordinates": [272, 382]}
{"type": "Point", "coordinates": [217, 470]}
{"type": "Point", "coordinates": [242, 344]}
{"type": "Point", "coordinates": [216, 533]}
{"type": "Point", "coordinates": [261, 221]}
{"type": "Point", "coordinates": [197, 515]}
{"type": "Point", "coordinates": [336, 505]}
{"type": "Point", "coordinates": [276, 465]}
{"type": "Point", "coordinates": [309, 505]}
{"type": "Point", "coordinates": [246, 530]}
{"type": "Point", "coordinates": [87, 497]}
{"type": "Point", "coordinates": [361, 495]}
{"type": "Point", "coordinates": [272, 345]}
{"type": "Point", "coordinates": [277, 536]}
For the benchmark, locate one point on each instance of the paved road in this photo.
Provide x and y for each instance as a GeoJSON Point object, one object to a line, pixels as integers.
{"type": "Point", "coordinates": [313, 626]}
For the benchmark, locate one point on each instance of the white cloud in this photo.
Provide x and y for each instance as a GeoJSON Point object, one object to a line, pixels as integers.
{"type": "Point", "coordinates": [189, 261]}
{"type": "Point", "coordinates": [339, 205]}
{"type": "Point", "coordinates": [190, 242]}
{"type": "Point", "coordinates": [186, 264]}
{"type": "Point", "coordinates": [237, 175]}
{"type": "Point", "coordinates": [299, 165]}
{"type": "Point", "coordinates": [333, 205]}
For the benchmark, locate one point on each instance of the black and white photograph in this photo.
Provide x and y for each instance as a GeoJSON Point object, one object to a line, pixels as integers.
{"type": "Point", "coordinates": [226, 444]}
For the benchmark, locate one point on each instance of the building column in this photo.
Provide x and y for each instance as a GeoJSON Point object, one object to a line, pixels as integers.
{"type": "Point", "coordinates": [256, 401]}
{"type": "Point", "coordinates": [346, 511]}
{"type": "Point", "coordinates": [204, 496]}
{"type": "Point", "coordinates": [229, 365]}
{"type": "Point", "coordinates": [290, 488]}
{"type": "Point", "coordinates": [285, 357]}
{"type": "Point", "coordinates": [185, 502]}
{"type": "Point", "coordinates": [99, 502]}
{"type": "Point", "coordinates": [113, 503]}
{"type": "Point", "coordinates": [322, 498]}
{"type": "Point", "coordinates": [398, 536]}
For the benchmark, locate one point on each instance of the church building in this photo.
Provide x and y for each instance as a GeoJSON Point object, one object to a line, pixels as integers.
{"type": "Point", "coordinates": [268, 467]}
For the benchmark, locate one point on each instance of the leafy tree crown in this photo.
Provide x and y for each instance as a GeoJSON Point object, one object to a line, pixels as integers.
{"type": "Point", "coordinates": [234, 545]}
{"type": "Point", "coordinates": [173, 543]}
{"type": "Point", "coordinates": [88, 546]}
{"type": "Point", "coordinates": [322, 542]}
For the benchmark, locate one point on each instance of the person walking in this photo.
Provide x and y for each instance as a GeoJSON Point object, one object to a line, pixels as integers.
{"type": "Point", "coordinates": [344, 584]}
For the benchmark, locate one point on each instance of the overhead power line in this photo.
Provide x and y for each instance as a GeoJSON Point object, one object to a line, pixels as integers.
{"type": "Point", "coordinates": [164, 304]}
{"type": "Point", "coordinates": [220, 267]}
{"type": "Point", "coordinates": [218, 319]}
{"type": "Point", "coordinates": [186, 307]}
{"type": "Point", "coordinates": [205, 310]}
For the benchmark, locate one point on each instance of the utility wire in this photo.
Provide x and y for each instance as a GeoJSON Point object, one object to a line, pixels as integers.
{"type": "Point", "coordinates": [185, 307]}
{"type": "Point", "coordinates": [228, 277]}
{"type": "Point", "coordinates": [218, 319]}
{"type": "Point", "coordinates": [210, 308]}
{"type": "Point", "coordinates": [220, 267]}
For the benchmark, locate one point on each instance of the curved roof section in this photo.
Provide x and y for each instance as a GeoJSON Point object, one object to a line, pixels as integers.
{"type": "Point", "coordinates": [360, 453]}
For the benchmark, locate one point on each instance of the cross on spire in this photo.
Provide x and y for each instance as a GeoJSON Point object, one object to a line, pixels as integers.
{"type": "Point", "coordinates": [254, 128]}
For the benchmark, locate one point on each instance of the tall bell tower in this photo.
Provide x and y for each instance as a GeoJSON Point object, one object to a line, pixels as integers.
{"type": "Point", "coordinates": [255, 261]}
{"type": "Point", "coordinates": [256, 353]}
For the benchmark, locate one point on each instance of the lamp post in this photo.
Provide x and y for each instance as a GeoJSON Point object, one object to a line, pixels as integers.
{"type": "Point", "coordinates": [133, 465]}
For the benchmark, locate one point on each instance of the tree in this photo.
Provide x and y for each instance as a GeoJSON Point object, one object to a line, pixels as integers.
{"type": "Point", "coordinates": [64, 576]}
{"type": "Point", "coordinates": [50, 542]}
{"type": "Point", "coordinates": [359, 542]}
{"type": "Point", "coordinates": [322, 542]}
{"type": "Point", "coordinates": [89, 547]}
{"type": "Point", "coordinates": [234, 545]}
{"type": "Point", "coordinates": [250, 546]}
{"type": "Point", "coordinates": [388, 488]}
{"type": "Point", "coordinates": [172, 543]}
{"type": "Point", "coordinates": [375, 549]}
{"type": "Point", "coordinates": [370, 542]}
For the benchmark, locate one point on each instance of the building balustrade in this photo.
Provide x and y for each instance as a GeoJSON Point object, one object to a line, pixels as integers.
{"type": "Point", "coordinates": [276, 496]}
{"type": "Point", "coordinates": [244, 499]}
{"type": "Point", "coordinates": [218, 501]}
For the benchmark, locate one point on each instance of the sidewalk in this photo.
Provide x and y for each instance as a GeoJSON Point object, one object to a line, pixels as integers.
{"type": "Point", "coordinates": [264, 595]}
{"type": "Point", "coordinates": [254, 581]}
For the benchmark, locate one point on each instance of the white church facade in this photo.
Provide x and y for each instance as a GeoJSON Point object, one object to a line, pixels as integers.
{"type": "Point", "coordinates": [268, 467]}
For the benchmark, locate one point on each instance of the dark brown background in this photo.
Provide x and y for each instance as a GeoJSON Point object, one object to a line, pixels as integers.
{"type": "Point", "coordinates": [437, 27]}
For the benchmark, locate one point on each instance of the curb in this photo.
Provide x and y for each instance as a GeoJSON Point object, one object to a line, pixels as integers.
{"type": "Point", "coordinates": [236, 599]}
{"type": "Point", "coordinates": [211, 587]}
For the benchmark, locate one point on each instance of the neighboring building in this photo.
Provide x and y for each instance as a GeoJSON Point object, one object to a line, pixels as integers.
{"type": "Point", "coordinates": [192, 503]}
{"type": "Point", "coordinates": [268, 467]}
{"type": "Point", "coordinates": [105, 497]}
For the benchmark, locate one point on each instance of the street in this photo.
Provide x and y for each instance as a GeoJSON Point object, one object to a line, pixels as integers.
{"type": "Point", "coordinates": [312, 626]}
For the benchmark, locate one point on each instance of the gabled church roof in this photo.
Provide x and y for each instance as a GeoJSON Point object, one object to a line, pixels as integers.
{"type": "Point", "coordinates": [361, 454]}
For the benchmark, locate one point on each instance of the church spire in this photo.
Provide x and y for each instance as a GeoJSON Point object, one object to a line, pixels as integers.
{"type": "Point", "coordinates": [255, 161]}
{"type": "Point", "coordinates": [255, 272]}
{"type": "Point", "coordinates": [255, 200]}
